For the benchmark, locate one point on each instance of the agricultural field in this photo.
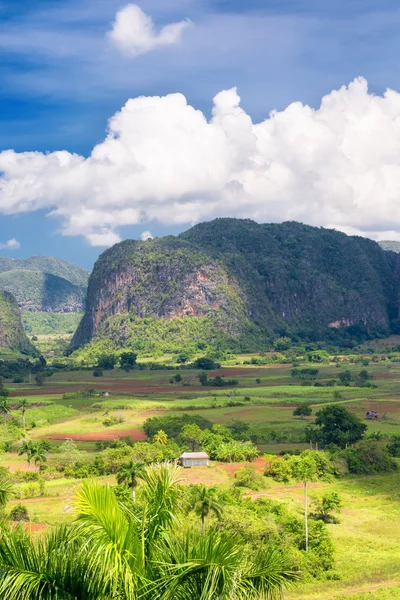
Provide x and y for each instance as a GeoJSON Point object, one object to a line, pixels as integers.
{"type": "Point", "coordinates": [75, 405]}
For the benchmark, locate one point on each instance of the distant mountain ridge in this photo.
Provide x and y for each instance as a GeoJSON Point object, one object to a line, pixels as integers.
{"type": "Point", "coordinates": [239, 284]}
{"type": "Point", "coordinates": [390, 245]}
{"type": "Point", "coordinates": [44, 283]}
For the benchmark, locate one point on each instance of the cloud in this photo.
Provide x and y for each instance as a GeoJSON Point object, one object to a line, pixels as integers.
{"type": "Point", "coordinates": [163, 160]}
{"type": "Point", "coordinates": [133, 31]}
{"type": "Point", "coordinates": [12, 244]}
{"type": "Point", "coordinates": [146, 235]}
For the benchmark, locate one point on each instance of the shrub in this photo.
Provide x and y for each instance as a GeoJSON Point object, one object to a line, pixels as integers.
{"type": "Point", "coordinates": [19, 513]}
{"type": "Point", "coordinates": [249, 478]}
{"type": "Point", "coordinates": [369, 457]}
{"type": "Point", "coordinates": [302, 411]}
{"type": "Point", "coordinates": [326, 506]}
{"type": "Point", "coordinates": [206, 364]}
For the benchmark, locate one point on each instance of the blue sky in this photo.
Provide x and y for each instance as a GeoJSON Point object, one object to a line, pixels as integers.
{"type": "Point", "coordinates": [60, 82]}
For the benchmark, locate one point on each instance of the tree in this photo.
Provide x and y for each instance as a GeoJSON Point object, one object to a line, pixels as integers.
{"type": "Point", "coordinates": [304, 468]}
{"type": "Point", "coordinates": [203, 378]}
{"type": "Point", "coordinates": [161, 437]}
{"type": "Point", "coordinates": [107, 361]}
{"type": "Point", "coordinates": [23, 405]}
{"type": "Point", "coordinates": [308, 374]}
{"type": "Point", "coordinates": [4, 393]}
{"type": "Point", "coordinates": [27, 447]}
{"type": "Point", "coordinates": [4, 409]}
{"type": "Point", "coordinates": [313, 435]}
{"type": "Point", "coordinates": [205, 502]}
{"type": "Point", "coordinates": [302, 411]}
{"type": "Point", "coordinates": [40, 378]}
{"type": "Point", "coordinates": [182, 358]}
{"type": "Point", "coordinates": [339, 426]}
{"type": "Point", "coordinates": [127, 360]}
{"type": "Point", "coordinates": [328, 504]}
{"type": "Point", "coordinates": [178, 377]}
{"type": "Point", "coordinates": [6, 490]}
{"type": "Point", "coordinates": [38, 456]}
{"type": "Point", "coordinates": [205, 364]}
{"type": "Point", "coordinates": [282, 343]}
{"type": "Point", "coordinates": [192, 435]}
{"type": "Point", "coordinates": [129, 473]}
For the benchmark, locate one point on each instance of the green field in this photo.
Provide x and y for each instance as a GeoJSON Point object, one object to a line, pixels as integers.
{"type": "Point", "coordinates": [367, 539]}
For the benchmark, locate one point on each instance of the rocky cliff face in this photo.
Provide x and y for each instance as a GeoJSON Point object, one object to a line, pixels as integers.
{"type": "Point", "coordinates": [12, 335]}
{"type": "Point", "coordinates": [247, 280]}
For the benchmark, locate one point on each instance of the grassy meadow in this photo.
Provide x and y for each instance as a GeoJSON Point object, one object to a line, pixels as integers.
{"type": "Point", "coordinates": [367, 537]}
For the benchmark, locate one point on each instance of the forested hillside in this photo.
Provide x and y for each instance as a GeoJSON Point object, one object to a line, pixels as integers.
{"type": "Point", "coordinates": [12, 336]}
{"type": "Point", "coordinates": [44, 283]}
{"type": "Point", "coordinates": [239, 284]}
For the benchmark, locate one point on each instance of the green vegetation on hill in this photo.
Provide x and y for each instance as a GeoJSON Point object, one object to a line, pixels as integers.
{"type": "Point", "coordinates": [235, 284]}
{"type": "Point", "coordinates": [43, 283]}
{"type": "Point", "coordinates": [12, 336]}
{"type": "Point", "coordinates": [48, 323]}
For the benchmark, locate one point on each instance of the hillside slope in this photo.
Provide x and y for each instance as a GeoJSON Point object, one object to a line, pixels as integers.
{"type": "Point", "coordinates": [234, 281]}
{"type": "Point", "coordinates": [44, 283]}
{"type": "Point", "coordinates": [12, 335]}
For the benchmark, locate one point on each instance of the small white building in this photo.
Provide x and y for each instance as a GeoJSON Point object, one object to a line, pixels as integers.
{"type": "Point", "coordinates": [194, 459]}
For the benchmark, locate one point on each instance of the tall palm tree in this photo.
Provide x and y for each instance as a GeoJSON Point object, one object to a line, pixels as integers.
{"type": "Point", "coordinates": [4, 408]}
{"type": "Point", "coordinates": [129, 473]}
{"type": "Point", "coordinates": [205, 502]}
{"type": "Point", "coordinates": [137, 553]}
{"type": "Point", "coordinates": [23, 405]}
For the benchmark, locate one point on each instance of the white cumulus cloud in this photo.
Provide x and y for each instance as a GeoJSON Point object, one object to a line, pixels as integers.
{"type": "Point", "coordinates": [12, 244]}
{"type": "Point", "coordinates": [163, 160]}
{"type": "Point", "coordinates": [146, 235]}
{"type": "Point", "coordinates": [134, 33]}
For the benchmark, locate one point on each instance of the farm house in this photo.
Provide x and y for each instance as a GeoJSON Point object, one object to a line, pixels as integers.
{"type": "Point", "coordinates": [194, 459]}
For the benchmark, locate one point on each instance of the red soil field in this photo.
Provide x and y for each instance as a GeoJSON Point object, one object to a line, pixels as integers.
{"type": "Point", "coordinates": [231, 468]}
{"type": "Point", "coordinates": [111, 434]}
{"type": "Point", "coordinates": [139, 387]}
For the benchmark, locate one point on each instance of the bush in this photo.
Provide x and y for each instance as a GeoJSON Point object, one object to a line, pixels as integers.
{"type": "Point", "coordinates": [173, 424]}
{"type": "Point", "coordinates": [19, 513]}
{"type": "Point", "coordinates": [302, 411]}
{"type": "Point", "coordinates": [369, 457]}
{"type": "Point", "coordinates": [98, 373]}
{"type": "Point", "coordinates": [249, 478]}
{"type": "Point", "coordinates": [206, 364]}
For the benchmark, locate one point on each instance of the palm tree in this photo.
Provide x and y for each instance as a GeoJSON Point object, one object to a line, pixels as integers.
{"type": "Point", "coordinates": [137, 553]}
{"type": "Point", "coordinates": [27, 447]}
{"type": "Point", "coordinates": [129, 473]}
{"type": "Point", "coordinates": [6, 490]}
{"type": "Point", "coordinates": [23, 405]}
{"type": "Point", "coordinates": [161, 437]}
{"type": "Point", "coordinates": [205, 502]}
{"type": "Point", "coordinates": [4, 408]}
{"type": "Point", "coordinates": [38, 456]}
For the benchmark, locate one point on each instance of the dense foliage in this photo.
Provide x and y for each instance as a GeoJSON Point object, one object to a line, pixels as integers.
{"type": "Point", "coordinates": [44, 283]}
{"type": "Point", "coordinates": [235, 284]}
{"type": "Point", "coordinates": [12, 335]}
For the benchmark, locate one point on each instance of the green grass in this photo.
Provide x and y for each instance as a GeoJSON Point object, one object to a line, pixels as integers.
{"type": "Point", "coordinates": [367, 539]}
